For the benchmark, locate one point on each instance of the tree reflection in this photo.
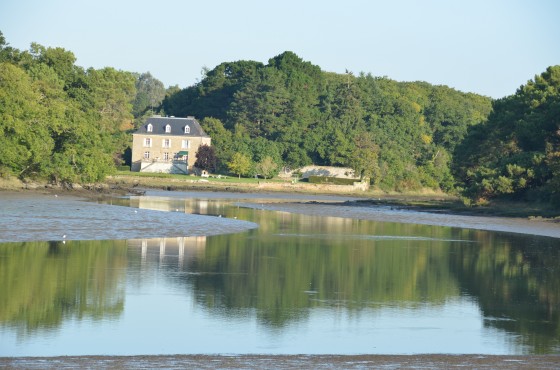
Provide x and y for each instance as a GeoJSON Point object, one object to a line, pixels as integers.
{"type": "Point", "coordinates": [293, 263]}
{"type": "Point", "coordinates": [44, 283]}
{"type": "Point", "coordinates": [299, 262]}
{"type": "Point", "coordinates": [517, 282]}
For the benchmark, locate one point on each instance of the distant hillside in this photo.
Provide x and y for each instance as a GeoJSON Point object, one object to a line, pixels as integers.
{"type": "Point", "coordinates": [400, 134]}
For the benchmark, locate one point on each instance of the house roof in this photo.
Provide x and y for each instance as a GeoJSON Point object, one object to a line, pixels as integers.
{"type": "Point", "coordinates": [177, 126]}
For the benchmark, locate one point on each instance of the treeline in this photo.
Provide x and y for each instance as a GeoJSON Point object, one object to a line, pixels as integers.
{"type": "Point", "coordinates": [66, 123]}
{"type": "Point", "coordinates": [516, 153]}
{"type": "Point", "coordinates": [58, 120]}
{"type": "Point", "coordinates": [400, 135]}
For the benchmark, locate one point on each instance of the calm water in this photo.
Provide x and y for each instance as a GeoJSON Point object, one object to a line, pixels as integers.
{"type": "Point", "coordinates": [297, 284]}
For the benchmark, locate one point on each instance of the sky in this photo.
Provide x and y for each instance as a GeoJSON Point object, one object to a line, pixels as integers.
{"type": "Point", "coordinates": [489, 47]}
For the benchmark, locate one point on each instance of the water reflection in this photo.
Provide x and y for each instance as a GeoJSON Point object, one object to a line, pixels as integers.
{"type": "Point", "coordinates": [517, 282]}
{"type": "Point", "coordinates": [45, 284]}
{"type": "Point", "coordinates": [297, 284]}
{"type": "Point", "coordinates": [181, 249]}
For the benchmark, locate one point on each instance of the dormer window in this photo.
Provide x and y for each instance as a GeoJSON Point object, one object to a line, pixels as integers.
{"type": "Point", "coordinates": [167, 129]}
{"type": "Point", "coordinates": [150, 128]}
{"type": "Point", "coordinates": [187, 129]}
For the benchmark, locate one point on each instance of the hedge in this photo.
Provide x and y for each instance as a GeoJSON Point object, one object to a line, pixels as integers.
{"type": "Point", "coordinates": [332, 180]}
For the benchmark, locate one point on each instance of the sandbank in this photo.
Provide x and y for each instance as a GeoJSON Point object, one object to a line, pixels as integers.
{"type": "Point", "coordinates": [33, 216]}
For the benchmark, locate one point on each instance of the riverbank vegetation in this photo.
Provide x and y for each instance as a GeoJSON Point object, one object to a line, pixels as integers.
{"type": "Point", "coordinates": [60, 122]}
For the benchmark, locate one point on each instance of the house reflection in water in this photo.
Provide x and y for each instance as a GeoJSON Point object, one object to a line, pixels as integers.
{"type": "Point", "coordinates": [168, 250]}
{"type": "Point", "coordinates": [192, 206]}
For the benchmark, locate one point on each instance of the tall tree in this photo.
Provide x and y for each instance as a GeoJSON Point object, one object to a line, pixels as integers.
{"type": "Point", "coordinates": [365, 157]}
{"type": "Point", "coordinates": [25, 142]}
{"type": "Point", "coordinates": [150, 92]}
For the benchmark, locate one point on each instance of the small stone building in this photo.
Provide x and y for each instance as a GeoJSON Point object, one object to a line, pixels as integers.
{"type": "Point", "coordinates": [167, 144]}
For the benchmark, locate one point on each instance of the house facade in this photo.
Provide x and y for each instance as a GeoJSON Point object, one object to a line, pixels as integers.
{"type": "Point", "coordinates": [167, 144]}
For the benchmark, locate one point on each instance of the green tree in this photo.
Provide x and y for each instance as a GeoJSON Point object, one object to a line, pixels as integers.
{"type": "Point", "coordinates": [59, 121]}
{"type": "Point", "coordinates": [25, 142]}
{"type": "Point", "coordinates": [240, 164]}
{"type": "Point", "coordinates": [7, 53]}
{"type": "Point", "coordinates": [260, 105]}
{"type": "Point", "coordinates": [267, 168]}
{"type": "Point", "coordinates": [222, 141]}
{"type": "Point", "coordinates": [365, 157]}
{"type": "Point", "coordinates": [150, 92]}
{"type": "Point", "coordinates": [520, 140]}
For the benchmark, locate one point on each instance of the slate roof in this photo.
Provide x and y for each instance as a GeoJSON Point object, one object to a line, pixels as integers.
{"type": "Point", "coordinates": [177, 126]}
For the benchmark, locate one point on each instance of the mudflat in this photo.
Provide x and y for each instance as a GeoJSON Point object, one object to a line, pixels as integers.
{"type": "Point", "coordinates": [33, 216]}
{"type": "Point", "coordinates": [357, 210]}
{"type": "Point", "coordinates": [426, 361]}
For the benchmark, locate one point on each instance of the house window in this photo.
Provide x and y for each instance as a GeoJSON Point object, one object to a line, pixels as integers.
{"type": "Point", "coordinates": [146, 155]}
{"type": "Point", "coordinates": [148, 142]}
{"type": "Point", "coordinates": [167, 129]}
{"type": "Point", "coordinates": [185, 144]}
{"type": "Point", "coordinates": [187, 129]}
{"type": "Point", "coordinates": [150, 128]}
{"type": "Point", "coordinates": [166, 156]}
{"type": "Point", "coordinates": [166, 143]}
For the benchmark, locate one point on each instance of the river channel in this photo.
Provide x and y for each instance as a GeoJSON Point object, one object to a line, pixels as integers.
{"type": "Point", "coordinates": [294, 283]}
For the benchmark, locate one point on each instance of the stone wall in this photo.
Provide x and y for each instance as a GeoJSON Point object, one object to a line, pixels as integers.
{"type": "Point", "coordinates": [164, 167]}
{"type": "Point", "coordinates": [342, 172]}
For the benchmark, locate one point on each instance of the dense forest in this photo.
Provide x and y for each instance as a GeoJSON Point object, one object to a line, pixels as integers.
{"type": "Point", "coordinates": [399, 135]}
{"type": "Point", "coordinates": [61, 122]}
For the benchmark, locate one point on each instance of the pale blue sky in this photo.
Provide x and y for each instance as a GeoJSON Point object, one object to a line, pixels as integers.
{"type": "Point", "coordinates": [490, 47]}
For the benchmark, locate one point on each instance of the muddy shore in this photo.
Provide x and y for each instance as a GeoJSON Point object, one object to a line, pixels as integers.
{"type": "Point", "coordinates": [364, 211]}
{"type": "Point", "coordinates": [286, 362]}
{"type": "Point", "coordinates": [32, 216]}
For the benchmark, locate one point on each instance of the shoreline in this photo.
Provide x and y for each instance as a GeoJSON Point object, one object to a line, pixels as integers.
{"type": "Point", "coordinates": [67, 217]}
{"type": "Point", "coordinates": [423, 361]}
{"type": "Point", "coordinates": [411, 215]}
{"type": "Point", "coordinates": [325, 205]}
{"type": "Point", "coordinates": [423, 200]}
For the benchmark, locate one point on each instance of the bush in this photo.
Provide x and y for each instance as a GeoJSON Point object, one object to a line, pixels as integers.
{"type": "Point", "coordinates": [332, 180]}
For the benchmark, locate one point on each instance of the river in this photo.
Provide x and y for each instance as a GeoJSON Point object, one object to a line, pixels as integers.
{"type": "Point", "coordinates": [235, 274]}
